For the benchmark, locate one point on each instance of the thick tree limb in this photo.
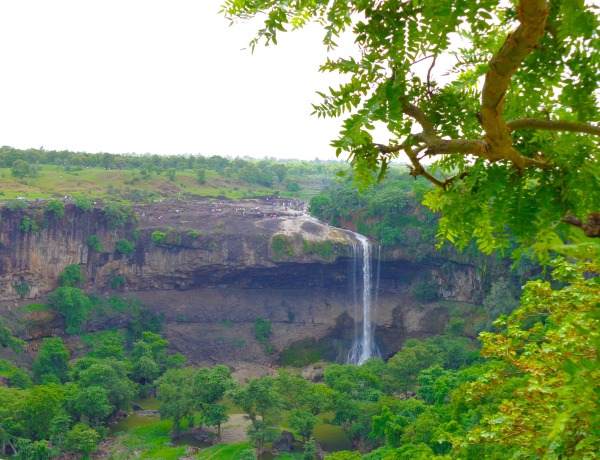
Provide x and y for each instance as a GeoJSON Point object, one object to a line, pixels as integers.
{"type": "Point", "coordinates": [497, 143]}
{"type": "Point", "coordinates": [548, 125]}
{"type": "Point", "coordinates": [591, 228]}
{"type": "Point", "coordinates": [532, 15]}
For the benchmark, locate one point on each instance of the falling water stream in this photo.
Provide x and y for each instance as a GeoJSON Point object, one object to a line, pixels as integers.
{"type": "Point", "coordinates": [364, 287]}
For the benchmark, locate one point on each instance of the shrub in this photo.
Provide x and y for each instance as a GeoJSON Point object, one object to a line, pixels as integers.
{"type": "Point", "coordinates": [115, 215]}
{"type": "Point", "coordinates": [158, 237]}
{"type": "Point", "coordinates": [93, 241]}
{"type": "Point", "coordinates": [56, 208]}
{"type": "Point", "coordinates": [117, 282]}
{"type": "Point", "coordinates": [71, 276]}
{"type": "Point", "coordinates": [15, 205]}
{"type": "Point", "coordinates": [22, 289]}
{"type": "Point", "coordinates": [193, 234]}
{"type": "Point", "coordinates": [28, 224]}
{"type": "Point", "coordinates": [426, 292]}
{"type": "Point", "coordinates": [201, 176]}
{"type": "Point", "coordinates": [83, 203]}
{"type": "Point", "coordinates": [322, 248]}
{"type": "Point", "coordinates": [455, 326]}
{"type": "Point", "coordinates": [125, 247]}
{"type": "Point", "coordinates": [262, 332]}
{"type": "Point", "coordinates": [170, 238]}
{"type": "Point", "coordinates": [72, 304]}
{"type": "Point", "coordinates": [282, 246]}
{"type": "Point", "coordinates": [292, 187]}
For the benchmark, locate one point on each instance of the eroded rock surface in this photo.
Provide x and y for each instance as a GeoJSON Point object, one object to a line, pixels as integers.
{"type": "Point", "coordinates": [223, 263]}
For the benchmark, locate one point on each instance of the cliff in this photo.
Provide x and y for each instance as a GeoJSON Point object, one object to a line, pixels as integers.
{"type": "Point", "coordinates": [204, 264]}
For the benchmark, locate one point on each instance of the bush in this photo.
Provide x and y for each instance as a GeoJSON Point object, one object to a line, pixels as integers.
{"type": "Point", "coordinates": [28, 224]}
{"type": "Point", "coordinates": [262, 329]}
{"type": "Point", "coordinates": [455, 326]}
{"type": "Point", "coordinates": [426, 292]}
{"type": "Point", "coordinates": [292, 187]}
{"type": "Point", "coordinates": [83, 203]}
{"type": "Point", "coordinates": [262, 332]}
{"type": "Point", "coordinates": [193, 234]}
{"type": "Point", "coordinates": [82, 439]}
{"type": "Point", "coordinates": [72, 304]}
{"type": "Point", "coordinates": [57, 208]}
{"type": "Point", "coordinates": [16, 205]}
{"type": "Point", "coordinates": [117, 282]}
{"type": "Point", "coordinates": [71, 276]}
{"type": "Point", "coordinates": [115, 215]}
{"type": "Point", "coordinates": [201, 176]}
{"type": "Point", "coordinates": [93, 241]}
{"type": "Point", "coordinates": [22, 289]}
{"type": "Point", "coordinates": [125, 247]}
{"type": "Point", "coordinates": [158, 237]}
{"type": "Point", "coordinates": [282, 246]}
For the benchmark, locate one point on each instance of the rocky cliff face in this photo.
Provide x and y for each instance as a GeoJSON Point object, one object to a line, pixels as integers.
{"type": "Point", "coordinates": [227, 267]}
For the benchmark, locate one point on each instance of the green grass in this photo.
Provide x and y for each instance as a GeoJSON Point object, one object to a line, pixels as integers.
{"type": "Point", "coordinates": [152, 440]}
{"type": "Point", "coordinates": [224, 451]}
{"type": "Point", "coordinates": [6, 368]}
{"type": "Point", "coordinates": [34, 307]}
{"type": "Point", "coordinates": [164, 453]}
{"type": "Point", "coordinates": [56, 181]}
{"type": "Point", "coordinates": [93, 339]}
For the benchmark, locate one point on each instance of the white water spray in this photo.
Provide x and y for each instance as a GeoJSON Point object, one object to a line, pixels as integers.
{"type": "Point", "coordinates": [364, 346]}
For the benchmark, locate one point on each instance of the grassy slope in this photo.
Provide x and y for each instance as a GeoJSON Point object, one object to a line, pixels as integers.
{"type": "Point", "coordinates": [97, 183]}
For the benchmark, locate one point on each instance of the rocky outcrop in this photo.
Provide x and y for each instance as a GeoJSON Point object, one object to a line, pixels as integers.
{"type": "Point", "coordinates": [202, 265]}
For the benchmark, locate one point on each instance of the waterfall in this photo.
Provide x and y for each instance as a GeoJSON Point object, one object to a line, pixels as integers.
{"type": "Point", "coordinates": [365, 299]}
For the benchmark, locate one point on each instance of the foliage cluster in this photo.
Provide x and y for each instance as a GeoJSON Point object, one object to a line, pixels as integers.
{"type": "Point", "coordinates": [7, 340]}
{"type": "Point", "coordinates": [29, 225]}
{"type": "Point", "coordinates": [282, 246]}
{"type": "Point", "coordinates": [125, 247]}
{"type": "Point", "coordinates": [22, 288]}
{"type": "Point", "coordinates": [262, 332]}
{"type": "Point", "coordinates": [322, 248]}
{"type": "Point", "coordinates": [171, 237]}
{"type": "Point", "coordinates": [56, 208]}
{"type": "Point", "coordinates": [94, 243]}
{"type": "Point", "coordinates": [181, 392]}
{"type": "Point", "coordinates": [16, 205]}
{"type": "Point", "coordinates": [69, 408]}
{"type": "Point", "coordinates": [389, 212]}
{"type": "Point", "coordinates": [22, 169]}
{"type": "Point", "coordinates": [117, 215]}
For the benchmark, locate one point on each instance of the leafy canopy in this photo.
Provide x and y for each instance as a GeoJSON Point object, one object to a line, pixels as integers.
{"type": "Point", "coordinates": [509, 132]}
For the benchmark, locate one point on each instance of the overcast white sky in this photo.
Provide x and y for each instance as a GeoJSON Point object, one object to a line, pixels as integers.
{"type": "Point", "coordinates": [164, 77]}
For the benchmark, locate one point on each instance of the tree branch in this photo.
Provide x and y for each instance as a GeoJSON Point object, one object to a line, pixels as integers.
{"type": "Point", "coordinates": [418, 170]}
{"type": "Point", "coordinates": [591, 228]}
{"type": "Point", "coordinates": [429, 92]}
{"type": "Point", "coordinates": [518, 45]}
{"type": "Point", "coordinates": [419, 116]}
{"type": "Point", "coordinates": [548, 125]}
